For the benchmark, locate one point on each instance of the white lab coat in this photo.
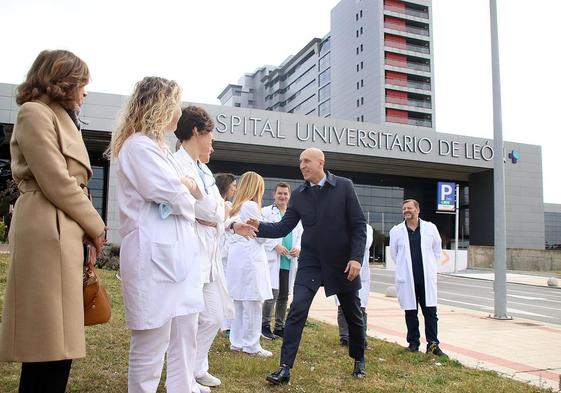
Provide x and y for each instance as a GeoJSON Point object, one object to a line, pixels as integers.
{"type": "Point", "coordinates": [247, 271]}
{"type": "Point", "coordinates": [364, 291]}
{"type": "Point", "coordinates": [209, 208]}
{"type": "Point", "coordinates": [159, 263]}
{"type": "Point", "coordinates": [272, 214]}
{"type": "Point", "coordinates": [431, 248]}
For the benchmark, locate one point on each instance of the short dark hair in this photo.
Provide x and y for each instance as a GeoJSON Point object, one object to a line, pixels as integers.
{"type": "Point", "coordinates": [282, 184]}
{"type": "Point", "coordinates": [413, 201]}
{"type": "Point", "coordinates": [191, 117]}
{"type": "Point", "coordinates": [223, 181]}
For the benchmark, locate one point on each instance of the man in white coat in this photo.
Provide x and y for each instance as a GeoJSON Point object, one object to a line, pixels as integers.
{"type": "Point", "coordinates": [415, 246]}
{"type": "Point", "coordinates": [282, 254]}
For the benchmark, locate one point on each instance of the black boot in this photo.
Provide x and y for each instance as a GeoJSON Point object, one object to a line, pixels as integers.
{"type": "Point", "coordinates": [360, 369]}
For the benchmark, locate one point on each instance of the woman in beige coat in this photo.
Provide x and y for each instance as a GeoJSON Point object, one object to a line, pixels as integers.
{"type": "Point", "coordinates": [43, 316]}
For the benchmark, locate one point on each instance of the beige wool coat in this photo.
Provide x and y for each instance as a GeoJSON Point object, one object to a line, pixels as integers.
{"type": "Point", "coordinates": [43, 315]}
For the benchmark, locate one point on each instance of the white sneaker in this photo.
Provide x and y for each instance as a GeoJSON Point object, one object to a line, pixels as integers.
{"type": "Point", "coordinates": [235, 349]}
{"type": "Point", "coordinates": [201, 389]}
{"type": "Point", "coordinates": [207, 379]}
{"type": "Point", "coordinates": [262, 353]}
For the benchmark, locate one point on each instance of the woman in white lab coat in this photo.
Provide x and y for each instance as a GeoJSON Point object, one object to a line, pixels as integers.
{"type": "Point", "coordinates": [247, 272]}
{"type": "Point", "coordinates": [363, 293]}
{"type": "Point", "coordinates": [159, 261]}
{"type": "Point", "coordinates": [194, 131]}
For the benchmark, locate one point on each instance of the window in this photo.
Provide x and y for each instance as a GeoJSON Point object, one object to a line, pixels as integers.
{"type": "Point", "coordinates": [357, 67]}
{"type": "Point", "coordinates": [361, 48]}
{"type": "Point", "coordinates": [361, 65]}
{"type": "Point", "coordinates": [357, 102]}
{"type": "Point", "coordinates": [324, 109]}
{"type": "Point", "coordinates": [357, 86]}
{"type": "Point", "coordinates": [357, 50]}
{"type": "Point", "coordinates": [357, 34]}
{"type": "Point", "coordinates": [358, 118]}
{"type": "Point", "coordinates": [237, 105]}
{"type": "Point", "coordinates": [324, 47]}
{"type": "Point", "coordinates": [362, 83]}
{"type": "Point", "coordinates": [360, 13]}
{"type": "Point", "coordinates": [324, 93]}
{"type": "Point", "coordinates": [356, 17]}
{"type": "Point", "coordinates": [324, 77]}
{"type": "Point", "coordinates": [361, 100]}
{"type": "Point", "coordinates": [361, 30]}
{"type": "Point", "coordinates": [324, 62]}
{"type": "Point", "coordinates": [361, 117]}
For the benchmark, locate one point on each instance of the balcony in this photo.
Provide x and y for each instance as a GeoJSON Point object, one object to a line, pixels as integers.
{"type": "Point", "coordinates": [407, 11]}
{"type": "Point", "coordinates": [409, 83]}
{"type": "Point", "coordinates": [409, 102]}
{"type": "Point", "coordinates": [409, 121]}
{"type": "Point", "coordinates": [406, 28]}
{"type": "Point", "coordinates": [407, 46]}
{"type": "Point", "coordinates": [408, 64]}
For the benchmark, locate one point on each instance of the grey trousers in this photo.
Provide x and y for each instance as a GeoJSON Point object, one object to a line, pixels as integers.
{"type": "Point", "coordinates": [344, 327]}
{"type": "Point", "coordinates": [279, 302]}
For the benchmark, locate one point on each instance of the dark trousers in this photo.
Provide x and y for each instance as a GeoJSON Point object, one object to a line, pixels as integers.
{"type": "Point", "coordinates": [44, 377]}
{"type": "Point", "coordinates": [298, 313]}
{"type": "Point", "coordinates": [279, 302]}
{"type": "Point", "coordinates": [344, 327]}
{"type": "Point", "coordinates": [412, 321]}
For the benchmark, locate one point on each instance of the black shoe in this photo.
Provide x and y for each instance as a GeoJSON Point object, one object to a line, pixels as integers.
{"type": "Point", "coordinates": [344, 342]}
{"type": "Point", "coordinates": [435, 350]}
{"type": "Point", "coordinates": [266, 333]}
{"type": "Point", "coordinates": [281, 376]}
{"type": "Point", "coordinates": [413, 348]}
{"type": "Point", "coordinates": [279, 332]}
{"type": "Point", "coordinates": [360, 369]}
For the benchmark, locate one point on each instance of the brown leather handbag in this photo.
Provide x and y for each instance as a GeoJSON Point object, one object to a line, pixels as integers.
{"type": "Point", "coordinates": [97, 309]}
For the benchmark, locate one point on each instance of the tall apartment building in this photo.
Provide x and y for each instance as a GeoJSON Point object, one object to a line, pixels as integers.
{"type": "Point", "coordinates": [375, 65]}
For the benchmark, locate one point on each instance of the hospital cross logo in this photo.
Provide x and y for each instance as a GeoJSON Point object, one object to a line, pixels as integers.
{"type": "Point", "coordinates": [514, 156]}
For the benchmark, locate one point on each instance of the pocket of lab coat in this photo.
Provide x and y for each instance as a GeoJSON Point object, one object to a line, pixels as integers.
{"type": "Point", "coordinates": [166, 265]}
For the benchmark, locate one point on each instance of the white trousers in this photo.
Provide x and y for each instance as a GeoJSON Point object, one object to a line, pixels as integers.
{"type": "Point", "coordinates": [246, 326]}
{"type": "Point", "coordinates": [147, 351]}
{"type": "Point", "coordinates": [210, 321]}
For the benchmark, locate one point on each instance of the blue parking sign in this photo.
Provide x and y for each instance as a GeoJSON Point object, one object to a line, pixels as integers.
{"type": "Point", "coordinates": [446, 197]}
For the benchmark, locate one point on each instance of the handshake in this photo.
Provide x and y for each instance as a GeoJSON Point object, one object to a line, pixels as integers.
{"type": "Point", "coordinates": [246, 229]}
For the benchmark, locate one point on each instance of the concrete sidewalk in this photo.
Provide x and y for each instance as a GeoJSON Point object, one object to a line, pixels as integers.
{"type": "Point", "coordinates": [524, 350]}
{"type": "Point", "coordinates": [511, 277]}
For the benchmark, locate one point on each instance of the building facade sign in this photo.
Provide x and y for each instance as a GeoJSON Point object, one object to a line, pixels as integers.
{"type": "Point", "coordinates": [365, 138]}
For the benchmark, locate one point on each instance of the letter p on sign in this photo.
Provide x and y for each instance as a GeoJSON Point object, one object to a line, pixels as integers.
{"type": "Point", "coordinates": [446, 197]}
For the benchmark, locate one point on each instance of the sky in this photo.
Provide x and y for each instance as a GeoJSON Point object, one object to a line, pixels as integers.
{"type": "Point", "coordinates": [205, 45]}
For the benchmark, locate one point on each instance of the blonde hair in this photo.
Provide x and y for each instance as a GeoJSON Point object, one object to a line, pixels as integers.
{"type": "Point", "coordinates": [251, 187]}
{"type": "Point", "coordinates": [149, 110]}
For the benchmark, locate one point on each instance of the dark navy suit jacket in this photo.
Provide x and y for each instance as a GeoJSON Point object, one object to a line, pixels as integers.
{"type": "Point", "coordinates": [334, 233]}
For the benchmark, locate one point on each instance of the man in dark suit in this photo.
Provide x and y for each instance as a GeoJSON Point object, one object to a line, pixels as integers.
{"type": "Point", "coordinates": [332, 248]}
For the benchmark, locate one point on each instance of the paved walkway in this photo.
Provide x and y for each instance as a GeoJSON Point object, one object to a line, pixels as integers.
{"type": "Point", "coordinates": [538, 279]}
{"type": "Point", "coordinates": [524, 350]}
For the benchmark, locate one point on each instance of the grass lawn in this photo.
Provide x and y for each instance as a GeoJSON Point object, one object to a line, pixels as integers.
{"type": "Point", "coordinates": [322, 365]}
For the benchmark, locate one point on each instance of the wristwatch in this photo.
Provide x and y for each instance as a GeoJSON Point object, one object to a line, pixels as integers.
{"type": "Point", "coordinates": [231, 227]}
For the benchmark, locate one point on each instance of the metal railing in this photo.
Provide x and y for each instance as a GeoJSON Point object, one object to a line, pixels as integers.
{"type": "Point", "coordinates": [408, 64]}
{"type": "Point", "coordinates": [407, 11]}
{"type": "Point", "coordinates": [409, 121]}
{"type": "Point", "coordinates": [407, 46]}
{"type": "Point", "coordinates": [409, 102]}
{"type": "Point", "coordinates": [406, 28]}
{"type": "Point", "coordinates": [408, 83]}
